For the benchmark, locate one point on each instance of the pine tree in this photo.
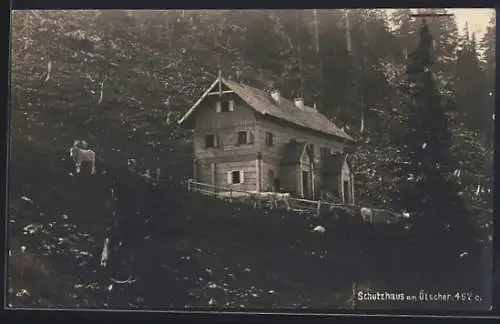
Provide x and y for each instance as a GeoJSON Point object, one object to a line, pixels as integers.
{"type": "Point", "coordinates": [488, 45]}
{"type": "Point", "coordinates": [425, 185]}
{"type": "Point", "coordinates": [469, 85]}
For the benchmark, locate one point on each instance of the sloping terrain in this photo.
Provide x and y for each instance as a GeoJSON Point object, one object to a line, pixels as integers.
{"type": "Point", "coordinates": [186, 250]}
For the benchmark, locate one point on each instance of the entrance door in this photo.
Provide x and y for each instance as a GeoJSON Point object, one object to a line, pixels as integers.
{"type": "Point", "coordinates": [305, 184]}
{"type": "Point", "coordinates": [270, 181]}
{"type": "Point", "coordinates": [346, 192]}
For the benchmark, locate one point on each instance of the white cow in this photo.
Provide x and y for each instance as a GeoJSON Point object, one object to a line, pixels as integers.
{"type": "Point", "coordinates": [81, 144]}
{"type": "Point", "coordinates": [268, 196]}
{"type": "Point", "coordinates": [366, 213]}
{"type": "Point", "coordinates": [81, 155]}
{"type": "Point", "coordinates": [319, 229]}
{"type": "Point", "coordinates": [105, 253]}
{"type": "Point", "coordinates": [283, 197]}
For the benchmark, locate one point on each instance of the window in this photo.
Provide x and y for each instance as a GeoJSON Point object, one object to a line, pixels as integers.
{"type": "Point", "coordinates": [225, 105]}
{"type": "Point", "coordinates": [325, 151]}
{"type": "Point", "coordinates": [210, 141]}
{"type": "Point", "coordinates": [269, 139]}
{"type": "Point", "coordinates": [235, 177]}
{"type": "Point", "coordinates": [243, 138]}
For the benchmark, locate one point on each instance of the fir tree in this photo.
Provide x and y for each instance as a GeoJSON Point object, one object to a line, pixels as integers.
{"type": "Point", "coordinates": [470, 85]}
{"type": "Point", "coordinates": [426, 186]}
{"type": "Point", "coordinates": [488, 45]}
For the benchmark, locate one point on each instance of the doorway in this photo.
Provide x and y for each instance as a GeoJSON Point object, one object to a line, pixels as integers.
{"type": "Point", "coordinates": [347, 196]}
{"type": "Point", "coordinates": [305, 184]}
{"type": "Point", "coordinates": [270, 181]}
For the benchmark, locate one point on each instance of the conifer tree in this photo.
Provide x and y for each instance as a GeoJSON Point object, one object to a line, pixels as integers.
{"type": "Point", "coordinates": [426, 186]}
{"type": "Point", "coordinates": [470, 85]}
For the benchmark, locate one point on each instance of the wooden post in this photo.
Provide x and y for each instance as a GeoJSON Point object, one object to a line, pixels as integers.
{"type": "Point", "coordinates": [354, 295]}
{"type": "Point", "coordinates": [318, 208]}
{"type": "Point", "coordinates": [213, 178]}
{"type": "Point", "coordinates": [341, 184]}
{"type": "Point", "coordinates": [195, 169]}
{"type": "Point", "coordinates": [313, 183]}
{"type": "Point", "coordinates": [258, 171]}
{"type": "Point", "coordinates": [352, 188]}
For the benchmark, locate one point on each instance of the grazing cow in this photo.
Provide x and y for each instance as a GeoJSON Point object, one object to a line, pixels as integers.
{"type": "Point", "coordinates": [232, 195]}
{"type": "Point", "coordinates": [366, 213]}
{"type": "Point", "coordinates": [105, 253]}
{"type": "Point", "coordinates": [283, 197]}
{"type": "Point", "coordinates": [81, 144]}
{"type": "Point", "coordinates": [81, 155]}
{"type": "Point", "coordinates": [319, 229]}
{"type": "Point", "coordinates": [258, 197]}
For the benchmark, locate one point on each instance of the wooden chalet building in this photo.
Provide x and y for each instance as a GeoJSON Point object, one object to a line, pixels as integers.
{"type": "Point", "coordinates": [253, 140]}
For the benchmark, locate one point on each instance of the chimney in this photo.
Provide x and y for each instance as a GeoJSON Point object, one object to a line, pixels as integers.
{"type": "Point", "coordinates": [299, 103]}
{"type": "Point", "coordinates": [275, 94]}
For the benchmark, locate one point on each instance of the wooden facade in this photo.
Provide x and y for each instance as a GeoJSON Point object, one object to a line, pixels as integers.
{"type": "Point", "coordinates": [235, 145]}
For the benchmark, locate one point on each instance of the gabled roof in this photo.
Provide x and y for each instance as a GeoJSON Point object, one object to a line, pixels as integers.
{"type": "Point", "coordinates": [335, 163]}
{"type": "Point", "coordinates": [285, 110]}
{"type": "Point", "coordinates": [293, 152]}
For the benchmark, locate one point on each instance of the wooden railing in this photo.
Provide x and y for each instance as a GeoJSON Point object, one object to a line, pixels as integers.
{"type": "Point", "coordinates": [230, 193]}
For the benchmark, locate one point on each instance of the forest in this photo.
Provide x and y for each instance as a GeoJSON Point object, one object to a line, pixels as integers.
{"type": "Point", "coordinates": [121, 79]}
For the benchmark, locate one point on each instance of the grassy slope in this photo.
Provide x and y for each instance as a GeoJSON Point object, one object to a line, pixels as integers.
{"type": "Point", "coordinates": [192, 248]}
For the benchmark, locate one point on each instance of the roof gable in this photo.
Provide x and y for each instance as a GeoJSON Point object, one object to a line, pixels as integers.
{"type": "Point", "coordinates": [335, 163]}
{"type": "Point", "coordinates": [285, 110]}
{"type": "Point", "coordinates": [294, 151]}
{"type": "Point", "coordinates": [197, 103]}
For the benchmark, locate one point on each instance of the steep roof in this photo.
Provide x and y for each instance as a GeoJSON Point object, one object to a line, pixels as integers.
{"type": "Point", "coordinates": [335, 163]}
{"type": "Point", "coordinates": [285, 110]}
{"type": "Point", "coordinates": [293, 152]}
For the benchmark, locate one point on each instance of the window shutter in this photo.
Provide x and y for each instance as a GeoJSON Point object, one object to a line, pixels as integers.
{"type": "Point", "coordinates": [242, 179]}
{"type": "Point", "coordinates": [216, 141]}
{"type": "Point", "coordinates": [229, 177]}
{"type": "Point", "coordinates": [231, 105]}
{"type": "Point", "coordinates": [204, 144]}
{"type": "Point", "coordinates": [218, 107]}
{"type": "Point", "coordinates": [250, 137]}
{"type": "Point", "coordinates": [237, 140]}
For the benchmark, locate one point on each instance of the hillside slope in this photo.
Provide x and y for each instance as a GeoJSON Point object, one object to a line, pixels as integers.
{"type": "Point", "coordinates": [236, 247]}
{"type": "Point", "coordinates": [180, 254]}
